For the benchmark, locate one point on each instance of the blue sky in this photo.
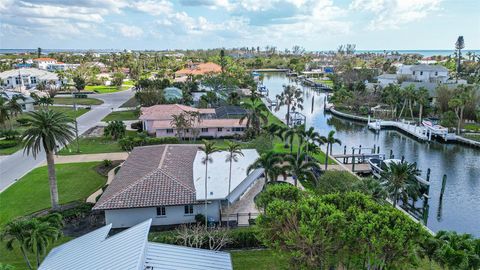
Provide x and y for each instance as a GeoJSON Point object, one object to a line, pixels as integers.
{"type": "Point", "coordinates": [169, 24]}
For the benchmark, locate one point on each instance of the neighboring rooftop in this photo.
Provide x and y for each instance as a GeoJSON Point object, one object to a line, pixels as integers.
{"type": "Point", "coordinates": [44, 59]}
{"type": "Point", "coordinates": [200, 69]}
{"type": "Point", "coordinates": [424, 67]}
{"type": "Point", "coordinates": [165, 111]}
{"type": "Point", "coordinates": [218, 173]}
{"type": "Point", "coordinates": [39, 73]}
{"type": "Point", "coordinates": [230, 112]}
{"type": "Point", "coordinates": [130, 249]}
{"type": "Point", "coordinates": [151, 177]}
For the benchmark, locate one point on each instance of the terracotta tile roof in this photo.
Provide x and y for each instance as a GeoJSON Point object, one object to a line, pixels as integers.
{"type": "Point", "coordinates": [200, 69]}
{"type": "Point", "coordinates": [44, 59]}
{"type": "Point", "coordinates": [205, 123]}
{"type": "Point", "coordinates": [165, 111]}
{"type": "Point", "coordinates": [153, 176]}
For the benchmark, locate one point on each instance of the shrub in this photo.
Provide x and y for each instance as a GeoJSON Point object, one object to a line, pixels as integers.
{"type": "Point", "coordinates": [106, 163]}
{"type": "Point", "coordinates": [8, 143]}
{"type": "Point", "coordinates": [10, 134]}
{"type": "Point", "coordinates": [115, 129]}
{"type": "Point", "coordinates": [22, 121]}
{"type": "Point", "coordinates": [243, 238]}
{"type": "Point", "coordinates": [336, 181]}
{"type": "Point", "coordinates": [130, 142]}
{"type": "Point", "coordinates": [262, 144]}
{"type": "Point", "coordinates": [200, 219]}
{"type": "Point", "coordinates": [80, 96]}
{"type": "Point", "coordinates": [284, 192]}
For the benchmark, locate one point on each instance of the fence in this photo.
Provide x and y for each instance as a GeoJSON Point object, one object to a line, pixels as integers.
{"type": "Point", "coordinates": [239, 219]}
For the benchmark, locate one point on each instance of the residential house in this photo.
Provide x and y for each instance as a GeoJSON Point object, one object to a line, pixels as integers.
{"type": "Point", "coordinates": [27, 102]}
{"type": "Point", "coordinates": [43, 62]}
{"type": "Point", "coordinates": [416, 73]}
{"type": "Point", "coordinates": [194, 69]}
{"type": "Point", "coordinates": [157, 120]}
{"type": "Point", "coordinates": [130, 250]}
{"type": "Point", "coordinates": [167, 184]}
{"type": "Point", "coordinates": [60, 66]}
{"type": "Point", "coordinates": [26, 78]}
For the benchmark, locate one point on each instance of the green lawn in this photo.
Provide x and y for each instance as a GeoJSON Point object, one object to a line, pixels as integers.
{"type": "Point", "coordinates": [103, 89]}
{"type": "Point", "coordinates": [69, 111]}
{"type": "Point", "coordinates": [121, 116]}
{"type": "Point", "coordinates": [132, 102]}
{"type": "Point", "coordinates": [257, 259]}
{"type": "Point", "coordinates": [474, 127]}
{"type": "Point", "coordinates": [76, 181]}
{"type": "Point", "coordinates": [15, 257]}
{"type": "Point", "coordinates": [473, 137]}
{"type": "Point", "coordinates": [79, 101]}
{"type": "Point", "coordinates": [92, 145]}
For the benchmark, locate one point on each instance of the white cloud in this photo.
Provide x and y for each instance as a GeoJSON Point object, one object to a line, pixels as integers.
{"type": "Point", "coordinates": [391, 14]}
{"type": "Point", "coordinates": [154, 7]}
{"type": "Point", "coordinates": [129, 31]}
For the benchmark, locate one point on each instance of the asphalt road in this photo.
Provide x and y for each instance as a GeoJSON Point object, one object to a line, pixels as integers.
{"type": "Point", "coordinates": [14, 166]}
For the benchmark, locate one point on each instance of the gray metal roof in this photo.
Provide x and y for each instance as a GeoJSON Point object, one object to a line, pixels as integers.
{"type": "Point", "coordinates": [130, 249]}
{"type": "Point", "coordinates": [42, 75]}
{"type": "Point", "coordinates": [424, 67]}
{"type": "Point", "coordinates": [95, 250]}
{"type": "Point", "coordinates": [163, 257]}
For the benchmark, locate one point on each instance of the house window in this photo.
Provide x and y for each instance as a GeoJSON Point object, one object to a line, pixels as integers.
{"type": "Point", "coordinates": [220, 129]}
{"type": "Point", "coordinates": [238, 129]}
{"type": "Point", "coordinates": [24, 107]}
{"type": "Point", "coordinates": [33, 80]}
{"type": "Point", "coordinates": [8, 82]}
{"type": "Point", "coordinates": [436, 73]}
{"type": "Point", "coordinates": [188, 209]}
{"type": "Point", "coordinates": [169, 130]}
{"type": "Point", "coordinates": [187, 130]}
{"type": "Point", "coordinates": [204, 129]}
{"type": "Point", "coordinates": [414, 73]}
{"type": "Point", "coordinates": [18, 80]}
{"type": "Point", "coordinates": [421, 73]}
{"type": "Point", "coordinates": [161, 211]}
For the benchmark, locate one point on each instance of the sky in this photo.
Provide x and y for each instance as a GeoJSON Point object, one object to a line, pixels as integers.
{"type": "Point", "coordinates": [193, 24]}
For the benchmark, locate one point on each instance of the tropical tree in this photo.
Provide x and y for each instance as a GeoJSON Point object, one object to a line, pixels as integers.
{"type": "Point", "coordinates": [40, 236]}
{"type": "Point", "coordinates": [180, 123]}
{"type": "Point", "coordinates": [457, 251]}
{"type": "Point", "coordinates": [233, 98]}
{"type": "Point", "coordinates": [310, 136]}
{"type": "Point", "coordinates": [4, 111]}
{"type": "Point", "coordinates": [292, 97]}
{"type": "Point", "coordinates": [300, 168]}
{"type": "Point", "coordinates": [459, 45]}
{"type": "Point", "coordinates": [256, 115]}
{"type": "Point", "coordinates": [391, 96]}
{"type": "Point", "coordinates": [79, 82]}
{"type": "Point", "coordinates": [115, 129]}
{"type": "Point", "coordinates": [463, 95]}
{"type": "Point", "coordinates": [330, 140]}
{"type": "Point", "coordinates": [16, 233]}
{"type": "Point", "coordinates": [47, 129]}
{"type": "Point", "coordinates": [290, 134]}
{"type": "Point", "coordinates": [399, 180]}
{"type": "Point", "coordinates": [423, 99]}
{"type": "Point", "coordinates": [234, 151]}
{"type": "Point", "coordinates": [15, 106]}
{"type": "Point", "coordinates": [271, 163]}
{"type": "Point", "coordinates": [208, 149]}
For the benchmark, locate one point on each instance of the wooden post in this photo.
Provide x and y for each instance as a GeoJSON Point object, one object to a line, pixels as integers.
{"type": "Point", "coordinates": [444, 182]}
{"type": "Point", "coordinates": [373, 149]}
{"type": "Point", "coordinates": [360, 149]}
{"type": "Point", "coordinates": [403, 158]}
{"type": "Point", "coordinates": [353, 159]}
{"type": "Point", "coordinates": [344, 153]}
{"type": "Point", "coordinates": [391, 153]}
{"type": "Point", "coordinates": [378, 149]}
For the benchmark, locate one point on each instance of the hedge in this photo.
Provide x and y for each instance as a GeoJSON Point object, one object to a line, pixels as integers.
{"type": "Point", "coordinates": [8, 143]}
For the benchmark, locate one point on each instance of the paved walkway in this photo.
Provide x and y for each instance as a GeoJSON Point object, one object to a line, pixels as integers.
{"type": "Point", "coordinates": [89, 158]}
{"type": "Point", "coordinates": [93, 198]}
{"type": "Point", "coordinates": [17, 165]}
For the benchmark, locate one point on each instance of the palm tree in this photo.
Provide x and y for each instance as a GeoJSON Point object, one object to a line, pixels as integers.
{"type": "Point", "coordinates": [399, 179]}
{"type": "Point", "coordinates": [234, 151]}
{"type": "Point", "coordinates": [48, 128]}
{"type": "Point", "coordinates": [115, 129]}
{"type": "Point", "coordinates": [290, 97]}
{"type": "Point", "coordinates": [16, 232]}
{"type": "Point", "coordinates": [4, 111]}
{"type": "Point", "coordinates": [300, 168]}
{"type": "Point", "coordinates": [459, 45]}
{"type": "Point", "coordinates": [289, 134]}
{"type": "Point", "coordinates": [271, 164]}
{"type": "Point", "coordinates": [256, 116]}
{"type": "Point", "coordinates": [422, 98]}
{"type": "Point", "coordinates": [330, 140]}
{"type": "Point", "coordinates": [180, 123]}
{"type": "Point", "coordinates": [208, 149]}
{"type": "Point", "coordinates": [15, 106]}
{"type": "Point", "coordinates": [310, 136]}
{"type": "Point", "coordinates": [40, 236]}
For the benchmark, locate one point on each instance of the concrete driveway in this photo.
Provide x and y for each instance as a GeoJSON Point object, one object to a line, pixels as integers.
{"type": "Point", "coordinates": [15, 166]}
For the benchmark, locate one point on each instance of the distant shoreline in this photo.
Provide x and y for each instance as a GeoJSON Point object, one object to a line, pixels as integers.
{"type": "Point", "coordinates": [425, 53]}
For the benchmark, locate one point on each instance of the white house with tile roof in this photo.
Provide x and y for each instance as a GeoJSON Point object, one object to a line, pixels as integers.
{"type": "Point", "coordinates": [167, 184]}
{"type": "Point", "coordinates": [130, 250]}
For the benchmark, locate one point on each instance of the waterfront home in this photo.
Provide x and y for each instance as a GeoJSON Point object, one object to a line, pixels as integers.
{"type": "Point", "coordinates": [167, 184]}
{"type": "Point", "coordinates": [60, 66]}
{"type": "Point", "coordinates": [416, 73]}
{"type": "Point", "coordinates": [157, 120]}
{"type": "Point", "coordinates": [130, 250]}
{"type": "Point", "coordinates": [27, 78]}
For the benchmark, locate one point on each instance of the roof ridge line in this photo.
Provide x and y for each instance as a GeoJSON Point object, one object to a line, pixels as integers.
{"type": "Point", "coordinates": [176, 180]}
{"type": "Point", "coordinates": [163, 156]}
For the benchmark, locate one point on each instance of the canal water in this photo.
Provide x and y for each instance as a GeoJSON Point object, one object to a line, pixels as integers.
{"type": "Point", "coordinates": [460, 208]}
